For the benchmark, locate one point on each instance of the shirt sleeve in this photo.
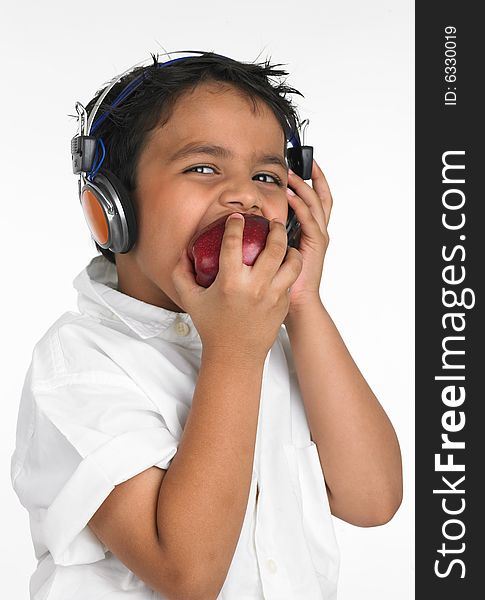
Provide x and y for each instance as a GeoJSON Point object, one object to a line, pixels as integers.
{"type": "Point", "coordinates": [91, 432]}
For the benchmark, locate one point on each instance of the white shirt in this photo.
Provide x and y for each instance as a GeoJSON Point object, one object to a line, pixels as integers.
{"type": "Point", "coordinates": [106, 396]}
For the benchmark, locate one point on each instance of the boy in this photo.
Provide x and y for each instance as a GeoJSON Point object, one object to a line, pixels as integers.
{"type": "Point", "coordinates": [267, 430]}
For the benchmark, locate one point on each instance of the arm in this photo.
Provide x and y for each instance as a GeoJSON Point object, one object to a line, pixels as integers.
{"type": "Point", "coordinates": [203, 499]}
{"type": "Point", "coordinates": [358, 449]}
{"type": "Point", "coordinates": [177, 529]}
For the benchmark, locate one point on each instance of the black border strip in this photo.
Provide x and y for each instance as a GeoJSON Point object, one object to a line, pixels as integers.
{"type": "Point", "coordinates": [450, 240]}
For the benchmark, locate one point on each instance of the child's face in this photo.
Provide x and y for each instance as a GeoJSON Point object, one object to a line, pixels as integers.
{"type": "Point", "coordinates": [175, 200]}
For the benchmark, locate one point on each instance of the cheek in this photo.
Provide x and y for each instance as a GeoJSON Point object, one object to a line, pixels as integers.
{"type": "Point", "coordinates": [165, 231]}
{"type": "Point", "coordinates": [281, 211]}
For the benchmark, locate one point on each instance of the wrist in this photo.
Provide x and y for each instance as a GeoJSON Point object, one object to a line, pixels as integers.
{"type": "Point", "coordinates": [303, 306]}
{"type": "Point", "coordinates": [229, 356]}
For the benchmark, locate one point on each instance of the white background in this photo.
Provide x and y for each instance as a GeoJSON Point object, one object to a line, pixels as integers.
{"type": "Point", "coordinates": [353, 61]}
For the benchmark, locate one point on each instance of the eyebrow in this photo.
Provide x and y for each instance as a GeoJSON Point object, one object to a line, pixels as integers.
{"type": "Point", "coordinates": [221, 152]}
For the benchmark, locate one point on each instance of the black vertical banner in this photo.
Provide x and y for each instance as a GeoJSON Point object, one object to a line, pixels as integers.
{"type": "Point", "coordinates": [450, 255]}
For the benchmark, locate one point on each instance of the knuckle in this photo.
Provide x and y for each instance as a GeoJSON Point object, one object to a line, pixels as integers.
{"type": "Point", "coordinates": [274, 298]}
{"type": "Point", "coordinates": [233, 229]}
{"type": "Point", "coordinates": [278, 246]}
{"type": "Point", "coordinates": [319, 233]}
{"type": "Point", "coordinates": [297, 262]}
{"type": "Point", "coordinates": [228, 292]}
{"type": "Point", "coordinates": [230, 237]}
{"type": "Point", "coordinates": [231, 234]}
{"type": "Point", "coordinates": [295, 254]}
{"type": "Point", "coordinates": [296, 269]}
{"type": "Point", "coordinates": [277, 229]}
{"type": "Point", "coordinates": [259, 296]}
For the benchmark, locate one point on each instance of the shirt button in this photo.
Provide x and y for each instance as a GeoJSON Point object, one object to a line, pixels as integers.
{"type": "Point", "coordinates": [181, 328]}
{"type": "Point", "coordinates": [272, 568]}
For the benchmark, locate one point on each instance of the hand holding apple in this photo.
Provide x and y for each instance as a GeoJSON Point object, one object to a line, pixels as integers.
{"type": "Point", "coordinates": [205, 246]}
{"type": "Point", "coordinates": [241, 312]}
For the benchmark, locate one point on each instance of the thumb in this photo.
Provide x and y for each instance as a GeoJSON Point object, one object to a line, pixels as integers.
{"type": "Point", "coordinates": [183, 276]}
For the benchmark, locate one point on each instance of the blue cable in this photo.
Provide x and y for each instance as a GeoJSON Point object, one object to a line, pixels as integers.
{"type": "Point", "coordinates": [95, 169]}
{"type": "Point", "coordinates": [95, 160]}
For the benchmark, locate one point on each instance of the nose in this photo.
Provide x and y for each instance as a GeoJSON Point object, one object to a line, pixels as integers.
{"type": "Point", "coordinates": [242, 197]}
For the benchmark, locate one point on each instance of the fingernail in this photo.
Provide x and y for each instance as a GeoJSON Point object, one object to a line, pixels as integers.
{"type": "Point", "coordinates": [291, 172]}
{"type": "Point", "coordinates": [290, 192]}
{"type": "Point", "coordinates": [235, 216]}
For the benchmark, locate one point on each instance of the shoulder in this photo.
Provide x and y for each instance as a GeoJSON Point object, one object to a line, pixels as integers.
{"type": "Point", "coordinates": [47, 356]}
{"type": "Point", "coordinates": [74, 344]}
{"type": "Point", "coordinates": [85, 355]}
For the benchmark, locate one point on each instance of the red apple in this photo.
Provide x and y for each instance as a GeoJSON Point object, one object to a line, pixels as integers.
{"type": "Point", "coordinates": [205, 246]}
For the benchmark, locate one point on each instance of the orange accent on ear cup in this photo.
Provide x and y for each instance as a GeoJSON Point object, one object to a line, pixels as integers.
{"type": "Point", "coordinates": [95, 217]}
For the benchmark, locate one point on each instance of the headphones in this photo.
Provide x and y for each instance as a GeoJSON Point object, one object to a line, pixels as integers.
{"type": "Point", "coordinates": [106, 204]}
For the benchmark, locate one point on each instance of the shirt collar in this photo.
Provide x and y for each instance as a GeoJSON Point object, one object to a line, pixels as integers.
{"type": "Point", "coordinates": [98, 295]}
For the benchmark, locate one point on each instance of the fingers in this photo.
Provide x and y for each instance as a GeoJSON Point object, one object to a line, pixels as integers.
{"type": "Point", "coordinates": [230, 256]}
{"type": "Point", "coordinates": [278, 262]}
{"type": "Point", "coordinates": [318, 198]}
{"type": "Point", "coordinates": [322, 189]}
{"type": "Point", "coordinates": [273, 254]}
{"type": "Point", "coordinates": [183, 276]}
{"type": "Point", "coordinates": [312, 226]}
{"type": "Point", "coordinates": [289, 270]}
{"type": "Point", "coordinates": [268, 266]}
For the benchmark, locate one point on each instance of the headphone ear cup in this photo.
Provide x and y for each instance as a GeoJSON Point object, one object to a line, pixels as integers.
{"type": "Point", "coordinates": [95, 213]}
{"type": "Point", "coordinates": [127, 212]}
{"type": "Point", "coordinates": [109, 212]}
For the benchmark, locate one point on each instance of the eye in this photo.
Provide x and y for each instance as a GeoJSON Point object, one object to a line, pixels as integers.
{"type": "Point", "coordinates": [199, 167]}
{"type": "Point", "coordinates": [277, 180]}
